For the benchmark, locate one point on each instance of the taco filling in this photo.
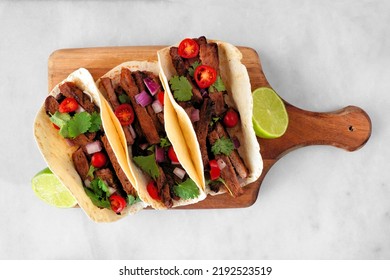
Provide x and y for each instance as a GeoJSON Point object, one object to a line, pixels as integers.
{"type": "Point", "coordinates": [198, 88]}
{"type": "Point", "coordinates": [137, 100]}
{"type": "Point", "coordinates": [78, 121]}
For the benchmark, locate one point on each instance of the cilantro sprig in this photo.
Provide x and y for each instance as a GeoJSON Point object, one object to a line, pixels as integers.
{"type": "Point", "coordinates": [164, 142]}
{"type": "Point", "coordinates": [148, 164]}
{"type": "Point", "coordinates": [186, 189]}
{"type": "Point", "coordinates": [79, 123]}
{"type": "Point", "coordinates": [223, 146]}
{"type": "Point", "coordinates": [218, 85]}
{"type": "Point", "coordinates": [181, 87]}
{"type": "Point", "coordinates": [98, 193]}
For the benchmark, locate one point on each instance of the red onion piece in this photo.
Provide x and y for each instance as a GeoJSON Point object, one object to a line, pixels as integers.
{"type": "Point", "coordinates": [143, 99]}
{"type": "Point", "coordinates": [87, 183]}
{"type": "Point", "coordinates": [221, 164]}
{"type": "Point", "coordinates": [111, 190]}
{"type": "Point", "coordinates": [160, 154]}
{"type": "Point", "coordinates": [175, 162]}
{"type": "Point", "coordinates": [79, 109]}
{"type": "Point", "coordinates": [157, 107]}
{"type": "Point", "coordinates": [236, 142]}
{"type": "Point", "coordinates": [195, 115]}
{"type": "Point", "coordinates": [179, 172]}
{"type": "Point", "coordinates": [144, 146]}
{"type": "Point", "coordinates": [152, 86]}
{"type": "Point", "coordinates": [132, 131]}
{"type": "Point", "coordinates": [93, 147]}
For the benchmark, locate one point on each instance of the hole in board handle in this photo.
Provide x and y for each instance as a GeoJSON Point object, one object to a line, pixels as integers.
{"type": "Point", "coordinates": [351, 128]}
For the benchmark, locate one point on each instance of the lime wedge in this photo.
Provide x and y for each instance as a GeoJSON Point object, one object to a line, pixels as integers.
{"type": "Point", "coordinates": [48, 188]}
{"type": "Point", "coordinates": [270, 119]}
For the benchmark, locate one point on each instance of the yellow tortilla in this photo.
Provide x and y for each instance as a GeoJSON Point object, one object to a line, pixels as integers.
{"type": "Point", "coordinates": [174, 135]}
{"type": "Point", "coordinates": [58, 154]}
{"type": "Point", "coordinates": [236, 79]}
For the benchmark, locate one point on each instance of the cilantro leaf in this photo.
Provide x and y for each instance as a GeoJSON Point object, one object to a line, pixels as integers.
{"type": "Point", "coordinates": [191, 69]}
{"type": "Point", "coordinates": [96, 200]}
{"type": "Point", "coordinates": [214, 120]}
{"type": "Point", "coordinates": [96, 122]}
{"type": "Point", "coordinates": [218, 85]}
{"type": "Point", "coordinates": [148, 164]}
{"type": "Point", "coordinates": [164, 142]}
{"type": "Point", "coordinates": [182, 89]}
{"type": "Point", "coordinates": [124, 98]}
{"type": "Point", "coordinates": [98, 193]}
{"type": "Point", "coordinates": [79, 124]}
{"type": "Point", "coordinates": [60, 119]}
{"type": "Point", "coordinates": [187, 189]}
{"type": "Point", "coordinates": [90, 171]}
{"type": "Point", "coordinates": [223, 146]}
{"type": "Point", "coordinates": [132, 200]}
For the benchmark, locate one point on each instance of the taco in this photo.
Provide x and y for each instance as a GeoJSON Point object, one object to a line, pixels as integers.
{"type": "Point", "coordinates": [80, 145]}
{"type": "Point", "coordinates": [210, 90]}
{"type": "Point", "coordinates": [165, 176]}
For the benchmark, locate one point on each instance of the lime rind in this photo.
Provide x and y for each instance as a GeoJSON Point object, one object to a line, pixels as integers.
{"type": "Point", "coordinates": [49, 189]}
{"type": "Point", "coordinates": [270, 118]}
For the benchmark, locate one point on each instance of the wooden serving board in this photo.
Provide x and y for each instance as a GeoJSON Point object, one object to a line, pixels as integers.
{"type": "Point", "coordinates": [348, 128]}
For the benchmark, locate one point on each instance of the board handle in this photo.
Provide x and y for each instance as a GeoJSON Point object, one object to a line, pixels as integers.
{"type": "Point", "coordinates": [348, 128]}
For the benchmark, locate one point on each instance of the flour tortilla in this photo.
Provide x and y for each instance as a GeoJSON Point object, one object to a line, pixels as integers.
{"type": "Point", "coordinates": [174, 135]}
{"type": "Point", "coordinates": [58, 154]}
{"type": "Point", "coordinates": [235, 77]}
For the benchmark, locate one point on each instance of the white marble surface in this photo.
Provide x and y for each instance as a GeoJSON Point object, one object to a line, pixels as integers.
{"type": "Point", "coordinates": [316, 203]}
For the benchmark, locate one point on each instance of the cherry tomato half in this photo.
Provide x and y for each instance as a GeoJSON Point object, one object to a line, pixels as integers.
{"type": "Point", "coordinates": [68, 105]}
{"type": "Point", "coordinates": [205, 76]}
{"type": "Point", "coordinates": [188, 48]}
{"type": "Point", "coordinates": [153, 191]}
{"type": "Point", "coordinates": [98, 159]}
{"type": "Point", "coordinates": [172, 154]}
{"type": "Point", "coordinates": [125, 114]}
{"type": "Point", "coordinates": [117, 202]}
{"type": "Point", "coordinates": [160, 97]}
{"type": "Point", "coordinates": [231, 118]}
{"type": "Point", "coordinates": [215, 172]}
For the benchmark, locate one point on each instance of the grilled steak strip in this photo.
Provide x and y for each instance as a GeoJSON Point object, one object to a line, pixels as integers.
{"type": "Point", "coordinates": [69, 89]}
{"type": "Point", "coordinates": [208, 54]}
{"type": "Point", "coordinates": [201, 40]}
{"type": "Point", "coordinates": [177, 61]}
{"type": "Point", "coordinates": [80, 162]}
{"type": "Point", "coordinates": [113, 100]}
{"type": "Point", "coordinates": [51, 104]}
{"type": "Point", "coordinates": [148, 128]}
{"type": "Point", "coordinates": [156, 79]}
{"type": "Point", "coordinates": [220, 105]}
{"type": "Point", "coordinates": [196, 95]}
{"type": "Point", "coordinates": [139, 80]}
{"type": "Point", "coordinates": [111, 96]}
{"type": "Point", "coordinates": [234, 157]}
{"type": "Point", "coordinates": [127, 186]}
{"type": "Point", "coordinates": [106, 175]}
{"type": "Point", "coordinates": [80, 140]}
{"type": "Point", "coordinates": [201, 129]}
{"type": "Point", "coordinates": [163, 188]}
{"type": "Point", "coordinates": [227, 173]}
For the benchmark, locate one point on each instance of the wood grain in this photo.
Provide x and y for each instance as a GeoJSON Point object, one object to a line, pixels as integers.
{"type": "Point", "coordinates": [348, 128]}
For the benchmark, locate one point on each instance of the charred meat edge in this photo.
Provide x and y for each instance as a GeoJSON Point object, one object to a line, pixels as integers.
{"type": "Point", "coordinates": [227, 173]}
{"type": "Point", "coordinates": [139, 80]}
{"type": "Point", "coordinates": [127, 186]}
{"type": "Point", "coordinates": [234, 157]}
{"type": "Point", "coordinates": [113, 100]}
{"type": "Point", "coordinates": [145, 121]}
{"type": "Point", "coordinates": [70, 89]}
